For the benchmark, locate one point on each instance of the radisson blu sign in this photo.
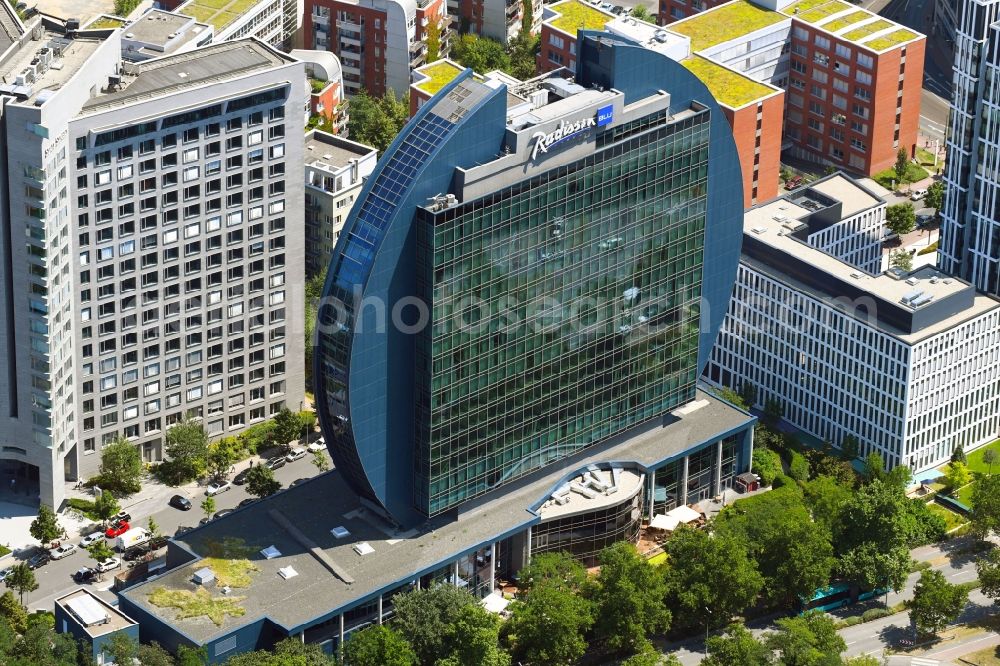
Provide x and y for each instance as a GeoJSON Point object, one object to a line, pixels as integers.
{"type": "Point", "coordinates": [543, 141]}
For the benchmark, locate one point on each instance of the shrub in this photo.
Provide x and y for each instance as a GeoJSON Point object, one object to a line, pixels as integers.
{"type": "Point", "coordinates": [766, 464]}
{"type": "Point", "coordinates": [919, 566]}
{"type": "Point", "coordinates": [4, 550]}
{"type": "Point", "coordinates": [852, 620]}
{"type": "Point", "coordinates": [798, 467]}
{"type": "Point", "coordinates": [86, 507]}
{"type": "Point", "coordinates": [781, 480]}
{"type": "Point", "coordinates": [875, 614]}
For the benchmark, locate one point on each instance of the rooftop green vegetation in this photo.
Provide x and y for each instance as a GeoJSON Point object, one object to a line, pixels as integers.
{"type": "Point", "coordinates": [868, 29]}
{"type": "Point", "coordinates": [728, 87]}
{"type": "Point", "coordinates": [228, 560]}
{"type": "Point", "coordinates": [576, 15]}
{"type": "Point", "coordinates": [105, 22]}
{"type": "Point", "coordinates": [723, 23]}
{"type": "Point", "coordinates": [892, 39]}
{"type": "Point", "coordinates": [218, 13]}
{"type": "Point", "coordinates": [846, 20]}
{"type": "Point", "coordinates": [803, 6]}
{"type": "Point", "coordinates": [199, 603]}
{"type": "Point", "coordinates": [317, 85]}
{"type": "Point", "coordinates": [820, 12]}
{"type": "Point", "coordinates": [439, 74]}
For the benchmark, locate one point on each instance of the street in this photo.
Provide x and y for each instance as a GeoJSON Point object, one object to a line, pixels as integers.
{"type": "Point", "coordinates": [55, 578]}
{"type": "Point", "coordinates": [874, 637]}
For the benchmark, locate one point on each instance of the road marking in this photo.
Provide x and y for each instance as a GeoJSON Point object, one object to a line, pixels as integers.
{"type": "Point", "coordinates": [960, 573]}
{"type": "Point", "coordinates": [850, 643]}
{"type": "Point", "coordinates": [989, 637]}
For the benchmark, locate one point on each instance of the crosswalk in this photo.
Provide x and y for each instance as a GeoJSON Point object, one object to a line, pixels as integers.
{"type": "Point", "coordinates": [923, 661]}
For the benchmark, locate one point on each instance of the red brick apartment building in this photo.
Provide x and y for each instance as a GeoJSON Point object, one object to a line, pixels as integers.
{"type": "Point", "coordinates": [378, 41]}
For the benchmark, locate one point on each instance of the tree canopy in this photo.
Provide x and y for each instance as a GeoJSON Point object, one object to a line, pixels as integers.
{"type": "Point", "coordinates": [737, 647]}
{"type": "Point", "coordinates": [45, 527]}
{"type": "Point", "coordinates": [375, 121]}
{"type": "Point", "coordinates": [936, 603]}
{"type": "Point", "coordinates": [261, 481]}
{"type": "Point", "coordinates": [121, 467]}
{"type": "Point", "coordinates": [874, 530]}
{"type": "Point", "coordinates": [900, 218]}
{"type": "Point", "coordinates": [935, 196]}
{"type": "Point", "coordinates": [425, 619]}
{"type": "Point", "coordinates": [986, 505]}
{"type": "Point", "coordinates": [187, 449]}
{"type": "Point", "coordinates": [629, 599]}
{"type": "Point", "coordinates": [807, 640]}
{"type": "Point", "coordinates": [378, 645]}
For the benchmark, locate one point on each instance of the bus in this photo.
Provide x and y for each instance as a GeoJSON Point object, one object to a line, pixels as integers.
{"type": "Point", "coordinates": [837, 595]}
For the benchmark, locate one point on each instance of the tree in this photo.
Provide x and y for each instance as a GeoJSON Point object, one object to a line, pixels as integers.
{"type": "Point", "coordinates": [958, 455]}
{"type": "Point", "coordinates": [208, 506]}
{"type": "Point", "coordinates": [289, 652]}
{"type": "Point", "coordinates": [901, 166]}
{"type": "Point", "coordinates": [899, 476]}
{"type": "Point", "coordinates": [736, 647]}
{"type": "Point", "coordinates": [732, 397]}
{"type": "Point", "coordinates": [220, 458]}
{"type": "Point", "coordinates": [709, 578]}
{"type": "Point", "coordinates": [189, 656]}
{"type": "Point", "coordinates": [773, 412]}
{"type": "Point", "coordinates": [629, 599]}
{"type": "Point", "coordinates": [554, 570]}
{"type": "Point", "coordinates": [986, 506]}
{"type": "Point", "coordinates": [825, 499]}
{"type": "Point", "coordinates": [798, 467]}
{"type": "Point", "coordinates": [376, 121]}
{"type": "Point", "coordinates": [527, 16]}
{"type": "Point", "coordinates": [988, 569]}
{"type": "Point", "coordinates": [640, 12]}
{"type": "Point", "coordinates": [99, 552]}
{"type": "Point", "coordinates": [523, 50]}
{"type": "Point", "coordinates": [187, 448]}
{"type": "Point", "coordinates": [902, 260]}
{"type": "Point", "coordinates": [957, 476]}
{"type": "Point", "coordinates": [935, 196]}
{"type": "Point", "coordinates": [810, 639]}
{"type": "Point", "coordinates": [766, 464]}
{"type": "Point", "coordinates": [321, 462]}
{"type": "Point", "coordinates": [936, 603]}
{"type": "Point", "coordinates": [849, 447]}
{"type": "Point", "coordinates": [481, 54]}
{"type": "Point", "coordinates": [792, 552]}
{"type": "Point", "coordinates": [901, 218]}
{"type": "Point", "coordinates": [13, 612]}
{"type": "Point", "coordinates": [21, 579]}
{"type": "Point", "coordinates": [154, 655]}
{"type": "Point", "coordinates": [40, 645]}
{"type": "Point", "coordinates": [261, 482]}
{"type": "Point", "coordinates": [153, 527]}
{"type": "Point", "coordinates": [749, 394]}
{"type": "Point", "coordinates": [378, 645]}
{"type": "Point", "coordinates": [874, 469]}
{"type": "Point", "coordinates": [872, 535]}
{"type": "Point", "coordinates": [106, 506]}
{"type": "Point", "coordinates": [424, 618]}
{"type": "Point", "coordinates": [287, 427]}
{"type": "Point", "coordinates": [432, 36]}
{"type": "Point", "coordinates": [548, 623]}
{"type": "Point", "coordinates": [121, 648]}
{"type": "Point", "coordinates": [474, 639]}
{"type": "Point", "coordinates": [121, 467]}
{"type": "Point", "coordinates": [990, 457]}
{"type": "Point", "coordinates": [45, 527]}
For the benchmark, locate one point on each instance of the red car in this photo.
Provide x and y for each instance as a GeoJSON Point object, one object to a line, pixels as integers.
{"type": "Point", "coordinates": [117, 529]}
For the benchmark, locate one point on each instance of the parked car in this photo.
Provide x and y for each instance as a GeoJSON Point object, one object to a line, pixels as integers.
{"type": "Point", "coordinates": [296, 453]}
{"type": "Point", "coordinates": [318, 445]}
{"type": "Point", "coordinates": [218, 487]}
{"type": "Point", "coordinates": [40, 559]}
{"type": "Point", "coordinates": [224, 512]}
{"type": "Point", "coordinates": [122, 516]}
{"type": "Point", "coordinates": [180, 502]}
{"type": "Point", "coordinates": [5, 573]}
{"type": "Point", "coordinates": [241, 478]}
{"type": "Point", "coordinates": [117, 529]}
{"type": "Point", "coordinates": [917, 195]}
{"type": "Point", "coordinates": [793, 182]}
{"type": "Point", "coordinates": [84, 575]}
{"type": "Point", "coordinates": [91, 538]}
{"type": "Point", "coordinates": [108, 564]}
{"type": "Point", "coordinates": [64, 550]}
{"type": "Point", "coordinates": [275, 462]}
{"type": "Point", "coordinates": [249, 500]}
{"type": "Point", "coordinates": [135, 552]}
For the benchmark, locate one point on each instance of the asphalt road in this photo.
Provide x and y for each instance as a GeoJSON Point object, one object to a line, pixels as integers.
{"type": "Point", "coordinates": [876, 636]}
{"type": "Point", "coordinates": [55, 578]}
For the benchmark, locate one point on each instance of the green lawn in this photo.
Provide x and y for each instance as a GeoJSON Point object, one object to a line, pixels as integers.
{"type": "Point", "coordinates": [199, 603]}
{"type": "Point", "coordinates": [986, 657]}
{"type": "Point", "coordinates": [727, 86]}
{"type": "Point", "coordinates": [846, 20]}
{"type": "Point", "coordinates": [975, 459]}
{"type": "Point", "coordinates": [576, 15]}
{"type": "Point", "coordinates": [724, 23]}
{"type": "Point", "coordinates": [951, 519]}
{"type": "Point", "coordinates": [964, 494]}
{"type": "Point", "coordinates": [892, 39]}
{"type": "Point", "coordinates": [914, 173]}
{"type": "Point", "coordinates": [439, 74]}
{"type": "Point", "coordinates": [820, 12]}
{"type": "Point", "coordinates": [869, 29]}
{"type": "Point", "coordinates": [658, 559]}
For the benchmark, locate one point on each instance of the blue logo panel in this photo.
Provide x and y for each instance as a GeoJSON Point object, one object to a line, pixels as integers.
{"type": "Point", "coordinates": [605, 115]}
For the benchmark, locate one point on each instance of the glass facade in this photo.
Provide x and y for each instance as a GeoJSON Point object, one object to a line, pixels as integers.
{"type": "Point", "coordinates": [586, 534]}
{"type": "Point", "coordinates": [702, 468]}
{"type": "Point", "coordinates": [565, 310]}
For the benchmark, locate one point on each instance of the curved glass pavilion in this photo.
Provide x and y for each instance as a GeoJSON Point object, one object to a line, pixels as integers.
{"type": "Point", "coordinates": [533, 269]}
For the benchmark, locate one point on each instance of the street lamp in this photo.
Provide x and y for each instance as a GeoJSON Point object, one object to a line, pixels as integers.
{"type": "Point", "coordinates": [706, 629]}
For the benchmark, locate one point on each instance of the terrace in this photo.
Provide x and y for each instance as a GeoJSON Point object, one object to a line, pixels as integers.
{"type": "Point", "coordinates": [218, 13]}
{"type": "Point", "coordinates": [727, 86]}
{"type": "Point", "coordinates": [575, 15]}
{"type": "Point", "coordinates": [724, 23]}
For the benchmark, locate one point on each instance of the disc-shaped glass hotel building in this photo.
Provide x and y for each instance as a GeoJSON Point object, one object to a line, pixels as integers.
{"type": "Point", "coordinates": [534, 269]}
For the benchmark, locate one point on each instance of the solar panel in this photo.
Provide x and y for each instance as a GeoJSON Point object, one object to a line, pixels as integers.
{"type": "Point", "coordinates": [88, 610]}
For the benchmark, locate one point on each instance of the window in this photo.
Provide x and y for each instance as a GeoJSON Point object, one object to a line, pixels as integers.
{"type": "Point", "coordinates": [821, 42]}
{"type": "Point", "coordinates": [865, 60]}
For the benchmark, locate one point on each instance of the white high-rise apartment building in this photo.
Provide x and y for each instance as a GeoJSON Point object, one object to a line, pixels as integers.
{"type": "Point", "coordinates": [908, 363]}
{"type": "Point", "coordinates": [970, 228]}
{"type": "Point", "coordinates": [149, 239]}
